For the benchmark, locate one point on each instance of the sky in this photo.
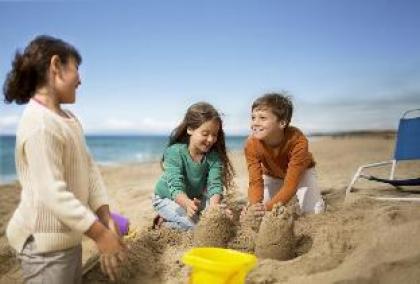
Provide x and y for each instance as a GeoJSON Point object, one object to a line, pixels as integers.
{"type": "Point", "coordinates": [348, 65]}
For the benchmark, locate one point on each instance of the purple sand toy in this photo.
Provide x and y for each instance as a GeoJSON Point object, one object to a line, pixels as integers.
{"type": "Point", "coordinates": [123, 223]}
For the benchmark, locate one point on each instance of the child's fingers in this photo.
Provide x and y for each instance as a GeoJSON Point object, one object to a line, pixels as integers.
{"type": "Point", "coordinates": [259, 213]}
{"type": "Point", "coordinates": [104, 266]}
{"type": "Point", "coordinates": [101, 262]}
{"type": "Point", "coordinates": [109, 267]}
{"type": "Point", "coordinates": [113, 261]}
{"type": "Point", "coordinates": [194, 207]}
{"type": "Point", "coordinates": [191, 212]}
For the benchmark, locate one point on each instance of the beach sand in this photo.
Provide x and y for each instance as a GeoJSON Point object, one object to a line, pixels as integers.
{"type": "Point", "coordinates": [359, 241]}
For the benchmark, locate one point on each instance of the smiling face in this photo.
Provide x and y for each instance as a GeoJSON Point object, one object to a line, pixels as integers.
{"type": "Point", "coordinates": [203, 137]}
{"type": "Point", "coordinates": [265, 125]}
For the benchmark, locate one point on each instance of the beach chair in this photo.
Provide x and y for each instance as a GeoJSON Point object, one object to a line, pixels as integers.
{"type": "Point", "coordinates": [407, 148]}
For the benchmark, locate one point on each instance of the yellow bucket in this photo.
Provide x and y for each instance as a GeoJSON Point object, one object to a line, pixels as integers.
{"type": "Point", "coordinates": [218, 266]}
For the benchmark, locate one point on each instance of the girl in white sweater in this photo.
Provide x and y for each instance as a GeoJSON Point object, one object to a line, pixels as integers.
{"type": "Point", "coordinates": [63, 195]}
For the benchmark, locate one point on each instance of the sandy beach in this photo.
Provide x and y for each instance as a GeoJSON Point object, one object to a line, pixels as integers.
{"type": "Point", "coordinates": [359, 241]}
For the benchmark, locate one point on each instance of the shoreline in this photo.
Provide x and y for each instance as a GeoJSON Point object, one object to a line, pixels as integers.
{"type": "Point", "coordinates": [312, 137]}
{"type": "Point", "coordinates": [113, 165]}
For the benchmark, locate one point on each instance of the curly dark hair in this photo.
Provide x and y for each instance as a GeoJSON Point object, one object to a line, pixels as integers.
{"type": "Point", "coordinates": [29, 69]}
{"type": "Point", "coordinates": [196, 115]}
{"type": "Point", "coordinates": [279, 103]}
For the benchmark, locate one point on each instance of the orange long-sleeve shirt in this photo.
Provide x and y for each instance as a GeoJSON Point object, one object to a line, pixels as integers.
{"type": "Point", "coordinates": [292, 160]}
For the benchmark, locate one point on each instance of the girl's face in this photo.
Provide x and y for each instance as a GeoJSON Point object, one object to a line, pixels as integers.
{"type": "Point", "coordinates": [264, 124]}
{"type": "Point", "coordinates": [67, 80]}
{"type": "Point", "coordinates": [203, 137]}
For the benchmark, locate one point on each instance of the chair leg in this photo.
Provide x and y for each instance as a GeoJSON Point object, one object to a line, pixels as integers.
{"type": "Point", "coordinates": [394, 163]}
{"type": "Point", "coordinates": [353, 181]}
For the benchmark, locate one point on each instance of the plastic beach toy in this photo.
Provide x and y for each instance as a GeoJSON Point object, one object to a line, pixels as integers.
{"type": "Point", "coordinates": [218, 266]}
{"type": "Point", "coordinates": [123, 223]}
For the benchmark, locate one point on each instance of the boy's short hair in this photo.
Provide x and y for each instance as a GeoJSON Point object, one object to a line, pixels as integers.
{"type": "Point", "coordinates": [280, 105]}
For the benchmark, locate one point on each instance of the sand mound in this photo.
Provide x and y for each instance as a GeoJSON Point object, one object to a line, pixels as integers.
{"type": "Point", "coordinates": [214, 229]}
{"type": "Point", "coordinates": [145, 263]}
{"type": "Point", "coordinates": [367, 236]}
{"type": "Point", "coordinates": [275, 238]}
{"type": "Point", "coordinates": [246, 231]}
{"type": "Point", "coordinates": [7, 257]}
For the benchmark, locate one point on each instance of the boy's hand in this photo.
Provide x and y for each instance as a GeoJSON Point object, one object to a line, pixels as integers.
{"type": "Point", "coordinates": [259, 209]}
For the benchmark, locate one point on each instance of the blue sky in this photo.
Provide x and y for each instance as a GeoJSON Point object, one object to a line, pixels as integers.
{"type": "Point", "coordinates": [349, 65]}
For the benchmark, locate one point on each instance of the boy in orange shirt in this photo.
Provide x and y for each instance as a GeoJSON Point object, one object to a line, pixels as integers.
{"type": "Point", "coordinates": [279, 163]}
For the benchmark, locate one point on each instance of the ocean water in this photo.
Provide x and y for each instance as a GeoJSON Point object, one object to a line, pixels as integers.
{"type": "Point", "coordinates": [107, 150]}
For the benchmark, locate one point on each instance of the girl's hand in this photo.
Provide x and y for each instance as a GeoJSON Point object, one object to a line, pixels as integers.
{"type": "Point", "coordinates": [215, 200]}
{"type": "Point", "coordinates": [113, 227]}
{"type": "Point", "coordinates": [192, 206]}
{"type": "Point", "coordinates": [106, 219]}
{"type": "Point", "coordinates": [113, 251]}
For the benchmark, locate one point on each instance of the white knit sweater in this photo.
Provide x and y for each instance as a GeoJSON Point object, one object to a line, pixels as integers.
{"type": "Point", "coordinates": [61, 185]}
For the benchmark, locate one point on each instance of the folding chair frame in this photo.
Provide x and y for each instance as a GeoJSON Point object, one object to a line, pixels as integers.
{"type": "Point", "coordinates": [393, 164]}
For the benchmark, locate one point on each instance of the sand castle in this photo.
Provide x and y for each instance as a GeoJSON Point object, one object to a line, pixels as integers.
{"type": "Point", "coordinates": [275, 239]}
{"type": "Point", "coordinates": [214, 229]}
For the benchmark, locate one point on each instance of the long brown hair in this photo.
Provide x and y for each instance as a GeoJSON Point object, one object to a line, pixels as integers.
{"type": "Point", "coordinates": [29, 69]}
{"type": "Point", "coordinates": [196, 115]}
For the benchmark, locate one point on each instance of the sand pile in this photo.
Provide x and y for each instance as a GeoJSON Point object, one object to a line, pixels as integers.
{"type": "Point", "coordinates": [7, 257]}
{"type": "Point", "coordinates": [214, 229]}
{"type": "Point", "coordinates": [147, 259]}
{"type": "Point", "coordinates": [378, 240]}
{"type": "Point", "coordinates": [363, 236]}
{"type": "Point", "coordinates": [246, 231]}
{"type": "Point", "coordinates": [275, 238]}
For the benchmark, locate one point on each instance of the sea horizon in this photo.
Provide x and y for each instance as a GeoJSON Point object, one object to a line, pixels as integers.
{"type": "Point", "coordinates": [108, 150]}
{"type": "Point", "coordinates": [120, 149]}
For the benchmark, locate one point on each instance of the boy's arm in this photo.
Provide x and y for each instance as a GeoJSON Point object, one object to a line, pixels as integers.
{"type": "Point", "coordinates": [256, 182]}
{"type": "Point", "coordinates": [298, 162]}
{"type": "Point", "coordinates": [44, 151]}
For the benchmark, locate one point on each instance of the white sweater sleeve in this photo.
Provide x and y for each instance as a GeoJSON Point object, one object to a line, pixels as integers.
{"type": "Point", "coordinates": [97, 190]}
{"type": "Point", "coordinates": [44, 152]}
